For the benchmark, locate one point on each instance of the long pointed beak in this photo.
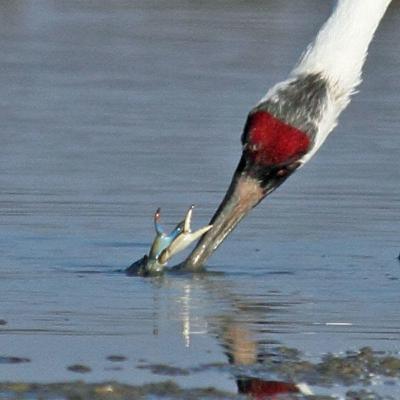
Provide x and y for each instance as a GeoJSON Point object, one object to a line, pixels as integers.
{"type": "Point", "coordinates": [243, 194]}
{"type": "Point", "coordinates": [250, 184]}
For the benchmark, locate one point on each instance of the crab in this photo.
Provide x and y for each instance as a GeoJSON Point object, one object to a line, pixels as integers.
{"type": "Point", "coordinates": [165, 246]}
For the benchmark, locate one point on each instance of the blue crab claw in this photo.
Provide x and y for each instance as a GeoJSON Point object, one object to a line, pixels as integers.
{"type": "Point", "coordinates": [166, 246]}
{"type": "Point", "coordinates": [162, 240]}
{"type": "Point", "coordinates": [184, 238]}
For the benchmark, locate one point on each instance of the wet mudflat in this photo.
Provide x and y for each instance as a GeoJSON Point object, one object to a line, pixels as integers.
{"type": "Point", "coordinates": [358, 373]}
{"type": "Point", "coordinates": [112, 109]}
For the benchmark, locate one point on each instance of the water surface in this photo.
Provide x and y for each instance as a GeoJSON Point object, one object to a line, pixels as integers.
{"type": "Point", "coordinates": [112, 109]}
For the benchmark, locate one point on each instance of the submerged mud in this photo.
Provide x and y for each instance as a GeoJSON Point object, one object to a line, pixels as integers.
{"type": "Point", "coordinates": [108, 390]}
{"type": "Point", "coordinates": [355, 375]}
{"type": "Point", "coordinates": [361, 367]}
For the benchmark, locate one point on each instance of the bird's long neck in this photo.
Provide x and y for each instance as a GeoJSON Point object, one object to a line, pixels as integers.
{"type": "Point", "coordinates": [340, 48]}
{"type": "Point", "coordinates": [291, 122]}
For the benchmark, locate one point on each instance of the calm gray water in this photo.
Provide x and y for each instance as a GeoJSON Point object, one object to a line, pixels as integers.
{"type": "Point", "coordinates": [109, 110]}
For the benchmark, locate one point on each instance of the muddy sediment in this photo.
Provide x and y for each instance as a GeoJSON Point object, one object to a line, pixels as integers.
{"type": "Point", "coordinates": [79, 390]}
{"type": "Point", "coordinates": [108, 390]}
{"type": "Point", "coordinates": [353, 374]}
{"type": "Point", "coordinates": [13, 360]}
{"type": "Point", "coordinates": [360, 367]}
{"type": "Point", "coordinates": [79, 368]}
{"type": "Point", "coordinates": [117, 358]}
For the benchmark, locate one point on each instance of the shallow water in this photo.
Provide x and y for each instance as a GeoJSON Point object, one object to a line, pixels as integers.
{"type": "Point", "coordinates": [111, 109]}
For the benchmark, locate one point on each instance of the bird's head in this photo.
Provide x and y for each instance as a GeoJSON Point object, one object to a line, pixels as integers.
{"type": "Point", "coordinates": [272, 151]}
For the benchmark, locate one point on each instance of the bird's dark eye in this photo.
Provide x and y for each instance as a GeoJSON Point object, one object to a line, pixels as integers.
{"type": "Point", "coordinates": [282, 172]}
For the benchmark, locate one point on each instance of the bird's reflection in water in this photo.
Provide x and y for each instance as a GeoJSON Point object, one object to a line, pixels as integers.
{"type": "Point", "coordinates": [232, 322]}
{"type": "Point", "coordinates": [242, 350]}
